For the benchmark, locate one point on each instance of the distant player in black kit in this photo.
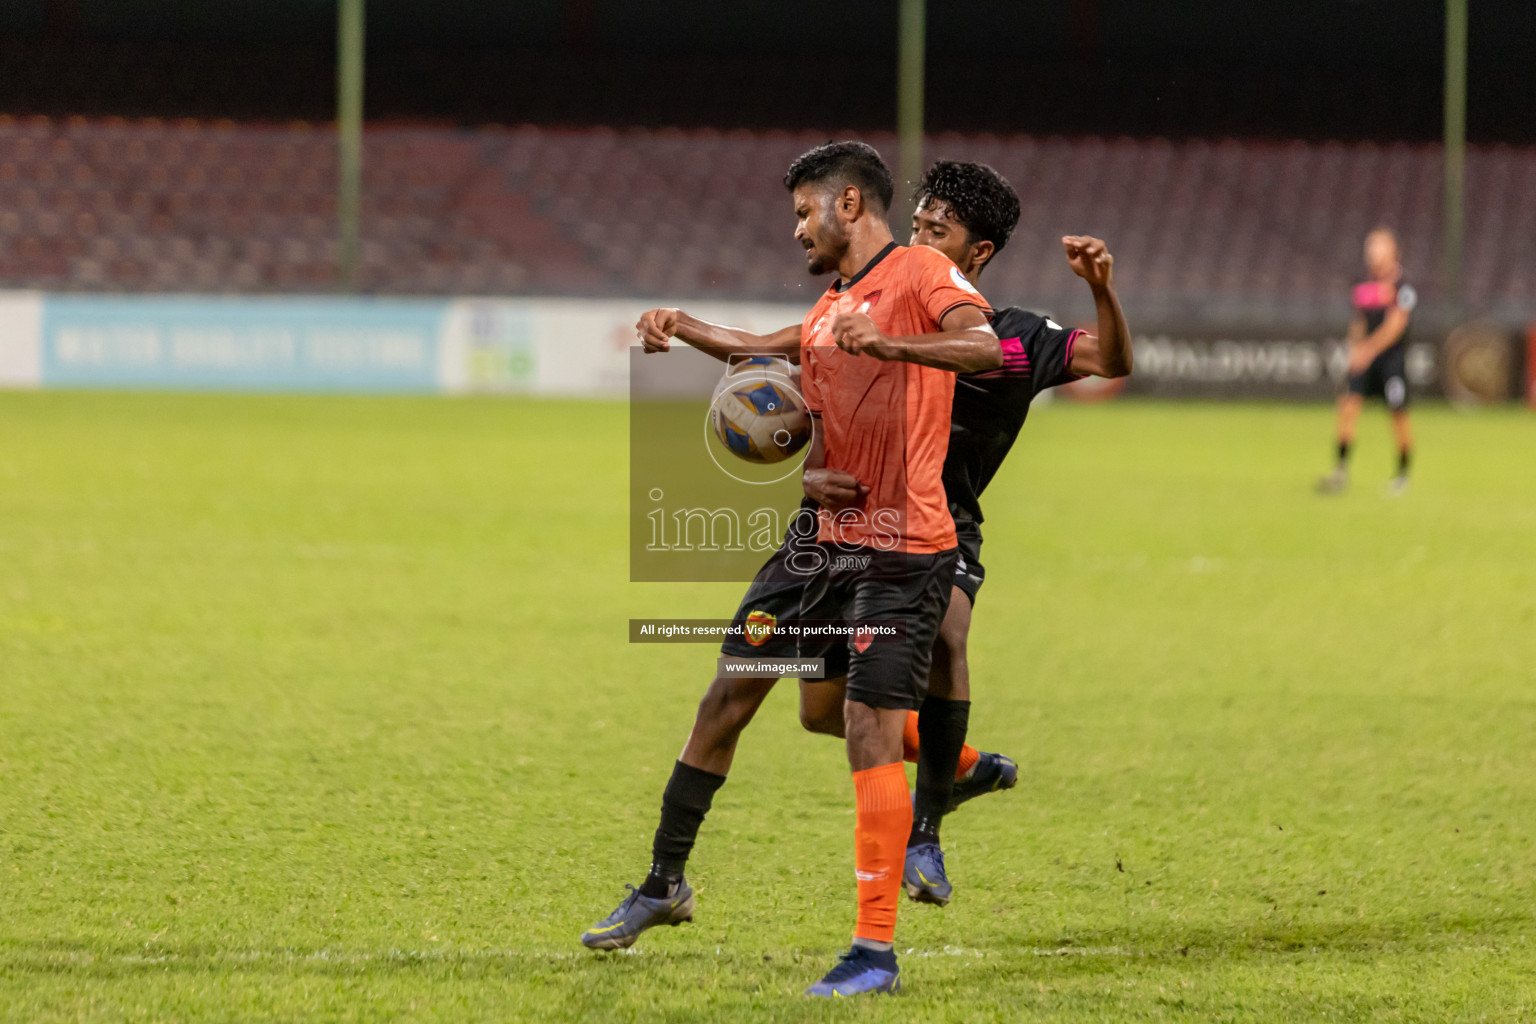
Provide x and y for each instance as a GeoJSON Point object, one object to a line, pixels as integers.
{"type": "Point", "coordinates": [1378, 357]}
{"type": "Point", "coordinates": [966, 211]}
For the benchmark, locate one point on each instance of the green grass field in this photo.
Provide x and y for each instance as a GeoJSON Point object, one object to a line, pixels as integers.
{"type": "Point", "coordinates": [321, 709]}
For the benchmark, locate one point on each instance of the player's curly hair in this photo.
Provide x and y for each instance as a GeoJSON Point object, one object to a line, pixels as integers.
{"type": "Point", "coordinates": [841, 164]}
{"type": "Point", "coordinates": [976, 195]}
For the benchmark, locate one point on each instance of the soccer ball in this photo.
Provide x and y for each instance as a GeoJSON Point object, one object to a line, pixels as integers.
{"type": "Point", "coordinates": [757, 411]}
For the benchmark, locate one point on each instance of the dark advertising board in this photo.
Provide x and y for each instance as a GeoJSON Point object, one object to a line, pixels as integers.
{"type": "Point", "coordinates": [1477, 362]}
{"type": "Point", "coordinates": [1195, 363]}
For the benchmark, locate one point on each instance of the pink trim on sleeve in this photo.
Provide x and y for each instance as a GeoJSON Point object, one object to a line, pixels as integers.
{"type": "Point", "coordinates": [1374, 295]}
{"type": "Point", "coordinates": [1015, 360]}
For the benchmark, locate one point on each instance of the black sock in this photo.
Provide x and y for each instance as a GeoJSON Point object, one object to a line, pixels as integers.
{"type": "Point", "coordinates": [1343, 454]}
{"type": "Point", "coordinates": [686, 800]}
{"type": "Point", "coordinates": [941, 726]}
{"type": "Point", "coordinates": [1402, 461]}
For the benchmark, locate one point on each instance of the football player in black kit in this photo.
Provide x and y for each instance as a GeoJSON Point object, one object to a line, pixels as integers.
{"type": "Point", "coordinates": [967, 211]}
{"type": "Point", "coordinates": [1378, 358]}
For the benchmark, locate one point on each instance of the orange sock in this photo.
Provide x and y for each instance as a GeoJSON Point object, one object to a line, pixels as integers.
{"type": "Point", "coordinates": [969, 755]}
{"type": "Point", "coordinates": [879, 847]}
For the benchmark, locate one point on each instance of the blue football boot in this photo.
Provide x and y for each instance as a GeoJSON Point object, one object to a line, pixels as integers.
{"type": "Point", "coordinates": [858, 971]}
{"type": "Point", "coordinates": [923, 875]}
{"type": "Point", "coordinates": [620, 929]}
{"type": "Point", "coordinates": [991, 773]}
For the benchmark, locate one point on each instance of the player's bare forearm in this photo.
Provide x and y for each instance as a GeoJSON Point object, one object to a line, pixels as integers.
{"type": "Point", "coordinates": [1108, 353]}
{"type": "Point", "coordinates": [966, 351]}
{"type": "Point", "coordinates": [1364, 348]}
{"type": "Point", "coordinates": [723, 342]}
{"type": "Point", "coordinates": [657, 327]}
{"type": "Point", "coordinates": [964, 343]}
{"type": "Point", "coordinates": [1392, 328]}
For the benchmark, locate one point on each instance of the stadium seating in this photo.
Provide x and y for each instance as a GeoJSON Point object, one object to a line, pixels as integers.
{"type": "Point", "coordinates": [1218, 228]}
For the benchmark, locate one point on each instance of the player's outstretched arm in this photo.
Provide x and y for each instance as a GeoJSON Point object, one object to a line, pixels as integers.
{"type": "Point", "coordinates": [657, 327]}
{"type": "Point", "coordinates": [965, 344]}
{"type": "Point", "coordinates": [1108, 353]}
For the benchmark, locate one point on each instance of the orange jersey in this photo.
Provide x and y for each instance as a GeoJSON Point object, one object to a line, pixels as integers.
{"type": "Point", "coordinates": [887, 423]}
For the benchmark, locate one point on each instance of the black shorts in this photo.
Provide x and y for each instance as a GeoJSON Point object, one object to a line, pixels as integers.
{"type": "Point", "coordinates": [1386, 378]}
{"type": "Point", "coordinates": [859, 586]}
{"type": "Point", "coordinates": [774, 595]}
{"type": "Point", "coordinates": [969, 575]}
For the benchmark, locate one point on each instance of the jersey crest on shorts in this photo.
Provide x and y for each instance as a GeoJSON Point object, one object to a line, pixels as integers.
{"type": "Point", "coordinates": [759, 627]}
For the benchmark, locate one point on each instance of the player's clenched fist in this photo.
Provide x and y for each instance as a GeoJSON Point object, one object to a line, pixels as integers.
{"type": "Point", "coordinates": [1089, 259]}
{"type": "Point", "coordinates": [832, 489]}
{"type": "Point", "coordinates": [856, 333]}
{"type": "Point", "coordinates": [656, 327]}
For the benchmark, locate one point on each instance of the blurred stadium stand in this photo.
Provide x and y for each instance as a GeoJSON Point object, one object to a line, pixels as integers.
{"type": "Point", "coordinates": [1212, 229]}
